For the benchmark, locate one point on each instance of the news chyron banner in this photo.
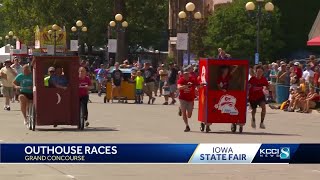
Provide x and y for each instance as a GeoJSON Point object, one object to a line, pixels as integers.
{"type": "Point", "coordinates": [160, 153]}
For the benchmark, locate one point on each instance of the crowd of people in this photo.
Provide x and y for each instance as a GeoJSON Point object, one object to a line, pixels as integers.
{"type": "Point", "coordinates": [293, 85]}
{"type": "Point", "coordinates": [172, 82]}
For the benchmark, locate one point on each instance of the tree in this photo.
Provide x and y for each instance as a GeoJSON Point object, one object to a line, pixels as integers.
{"type": "Point", "coordinates": [230, 28]}
{"type": "Point", "coordinates": [296, 21]}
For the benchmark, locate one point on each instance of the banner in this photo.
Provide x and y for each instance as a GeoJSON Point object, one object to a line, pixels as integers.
{"type": "Point", "coordinates": [182, 41]}
{"type": "Point", "coordinates": [73, 45]}
{"type": "Point", "coordinates": [161, 153]}
{"type": "Point", "coordinates": [112, 46]}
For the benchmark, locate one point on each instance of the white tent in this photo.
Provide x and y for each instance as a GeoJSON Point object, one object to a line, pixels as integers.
{"type": "Point", "coordinates": [3, 54]}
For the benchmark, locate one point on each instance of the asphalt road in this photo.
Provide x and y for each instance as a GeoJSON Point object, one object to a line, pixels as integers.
{"type": "Point", "coordinates": [130, 123]}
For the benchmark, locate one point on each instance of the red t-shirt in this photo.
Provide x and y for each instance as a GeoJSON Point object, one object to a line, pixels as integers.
{"type": "Point", "coordinates": [84, 82]}
{"type": "Point", "coordinates": [189, 93]}
{"type": "Point", "coordinates": [298, 72]}
{"type": "Point", "coordinates": [256, 88]}
{"type": "Point", "coordinates": [193, 75]}
{"type": "Point", "coordinates": [315, 79]}
{"type": "Point", "coordinates": [223, 82]}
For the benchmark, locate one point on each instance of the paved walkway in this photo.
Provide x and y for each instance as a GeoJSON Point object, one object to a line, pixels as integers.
{"type": "Point", "coordinates": [123, 123]}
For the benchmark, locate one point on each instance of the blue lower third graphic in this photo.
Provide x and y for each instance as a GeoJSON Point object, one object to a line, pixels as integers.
{"type": "Point", "coordinates": [285, 153]}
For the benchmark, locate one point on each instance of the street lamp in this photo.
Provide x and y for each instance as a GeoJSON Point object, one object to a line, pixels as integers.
{"type": "Point", "coordinates": [120, 26]}
{"type": "Point", "coordinates": [53, 32]}
{"type": "Point", "coordinates": [81, 28]}
{"type": "Point", "coordinates": [250, 7]}
{"type": "Point", "coordinates": [190, 7]}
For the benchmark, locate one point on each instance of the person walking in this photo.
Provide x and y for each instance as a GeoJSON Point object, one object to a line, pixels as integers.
{"type": "Point", "coordinates": [117, 78]}
{"type": "Point", "coordinates": [149, 79]}
{"type": "Point", "coordinates": [163, 77]}
{"type": "Point", "coordinates": [84, 87]}
{"type": "Point", "coordinates": [257, 85]}
{"type": "Point", "coordinates": [7, 75]}
{"type": "Point", "coordinates": [172, 79]}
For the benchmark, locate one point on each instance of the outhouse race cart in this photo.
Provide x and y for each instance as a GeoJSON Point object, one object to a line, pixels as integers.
{"type": "Point", "coordinates": [224, 98]}
{"type": "Point", "coordinates": [55, 106]}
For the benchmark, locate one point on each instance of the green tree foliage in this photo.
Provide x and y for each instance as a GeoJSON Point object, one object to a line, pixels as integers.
{"type": "Point", "coordinates": [297, 18]}
{"type": "Point", "coordinates": [147, 19]}
{"type": "Point", "coordinates": [232, 29]}
{"type": "Point", "coordinates": [147, 22]}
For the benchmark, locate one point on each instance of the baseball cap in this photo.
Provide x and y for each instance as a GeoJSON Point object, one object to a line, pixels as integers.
{"type": "Point", "coordinates": [296, 63]}
{"type": "Point", "coordinates": [7, 61]}
{"type": "Point", "coordinates": [185, 70]}
{"type": "Point", "coordinates": [51, 69]}
{"type": "Point", "coordinates": [162, 65]}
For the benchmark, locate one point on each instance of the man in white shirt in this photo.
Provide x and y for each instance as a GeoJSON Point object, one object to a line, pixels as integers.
{"type": "Point", "coordinates": [18, 68]}
{"type": "Point", "coordinates": [7, 75]}
{"type": "Point", "coordinates": [308, 74]}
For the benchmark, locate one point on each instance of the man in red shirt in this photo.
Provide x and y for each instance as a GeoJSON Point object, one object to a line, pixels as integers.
{"type": "Point", "coordinates": [256, 95]}
{"type": "Point", "coordinates": [186, 87]}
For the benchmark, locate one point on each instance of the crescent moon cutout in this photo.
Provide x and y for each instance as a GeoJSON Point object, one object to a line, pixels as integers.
{"type": "Point", "coordinates": [59, 98]}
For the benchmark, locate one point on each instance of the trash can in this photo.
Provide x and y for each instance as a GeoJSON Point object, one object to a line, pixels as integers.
{"type": "Point", "coordinates": [282, 93]}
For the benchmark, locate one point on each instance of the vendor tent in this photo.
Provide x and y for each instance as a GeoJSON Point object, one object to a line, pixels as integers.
{"type": "Point", "coordinates": [3, 54]}
{"type": "Point", "coordinates": [314, 42]}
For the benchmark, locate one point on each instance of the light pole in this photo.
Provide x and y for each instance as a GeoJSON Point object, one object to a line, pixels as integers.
{"type": "Point", "coordinates": [53, 32]}
{"type": "Point", "coordinates": [10, 38]}
{"type": "Point", "coordinates": [190, 7]}
{"type": "Point", "coordinates": [80, 28]}
{"type": "Point", "coordinates": [120, 27]}
{"type": "Point", "coordinates": [250, 7]}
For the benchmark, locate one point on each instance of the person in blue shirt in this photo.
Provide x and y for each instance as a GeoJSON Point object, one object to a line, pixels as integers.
{"type": "Point", "coordinates": [58, 80]}
{"type": "Point", "coordinates": [101, 75]}
{"type": "Point", "coordinates": [24, 82]}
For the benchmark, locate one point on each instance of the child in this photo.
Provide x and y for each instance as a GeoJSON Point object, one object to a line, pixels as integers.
{"type": "Point", "coordinates": [139, 80]}
{"type": "Point", "coordinates": [223, 80]}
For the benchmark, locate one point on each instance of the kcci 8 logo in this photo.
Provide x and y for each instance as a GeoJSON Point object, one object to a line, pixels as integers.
{"type": "Point", "coordinates": [282, 153]}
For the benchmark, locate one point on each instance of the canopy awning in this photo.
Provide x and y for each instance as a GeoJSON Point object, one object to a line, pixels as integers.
{"type": "Point", "coordinates": [314, 42]}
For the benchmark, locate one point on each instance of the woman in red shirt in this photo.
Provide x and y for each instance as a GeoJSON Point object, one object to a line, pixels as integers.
{"type": "Point", "coordinates": [84, 86]}
{"type": "Point", "coordinates": [256, 95]}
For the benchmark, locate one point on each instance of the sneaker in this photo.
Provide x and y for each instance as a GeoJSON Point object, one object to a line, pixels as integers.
{"type": "Point", "coordinates": [26, 122]}
{"type": "Point", "coordinates": [153, 99]}
{"type": "Point", "coordinates": [173, 102]}
{"type": "Point", "coordinates": [208, 129]}
{"type": "Point", "coordinates": [55, 125]}
{"type": "Point", "coordinates": [262, 126]}
{"type": "Point", "coordinates": [8, 108]}
{"type": "Point", "coordinates": [180, 112]}
{"type": "Point", "coordinates": [149, 101]}
{"type": "Point", "coordinates": [253, 124]}
{"type": "Point", "coordinates": [166, 103]}
{"type": "Point", "coordinates": [187, 129]}
{"type": "Point", "coordinates": [202, 127]}
{"type": "Point", "coordinates": [87, 124]}
{"type": "Point", "coordinates": [141, 102]}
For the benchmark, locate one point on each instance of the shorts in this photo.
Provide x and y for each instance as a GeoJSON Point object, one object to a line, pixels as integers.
{"type": "Point", "coordinates": [256, 103]}
{"type": "Point", "coordinates": [8, 92]}
{"type": "Point", "coordinates": [186, 105]}
{"type": "Point", "coordinates": [27, 95]}
{"type": "Point", "coordinates": [149, 88]}
{"type": "Point", "coordinates": [117, 84]}
{"type": "Point", "coordinates": [100, 80]}
{"type": "Point", "coordinates": [173, 88]}
{"type": "Point", "coordinates": [139, 92]}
